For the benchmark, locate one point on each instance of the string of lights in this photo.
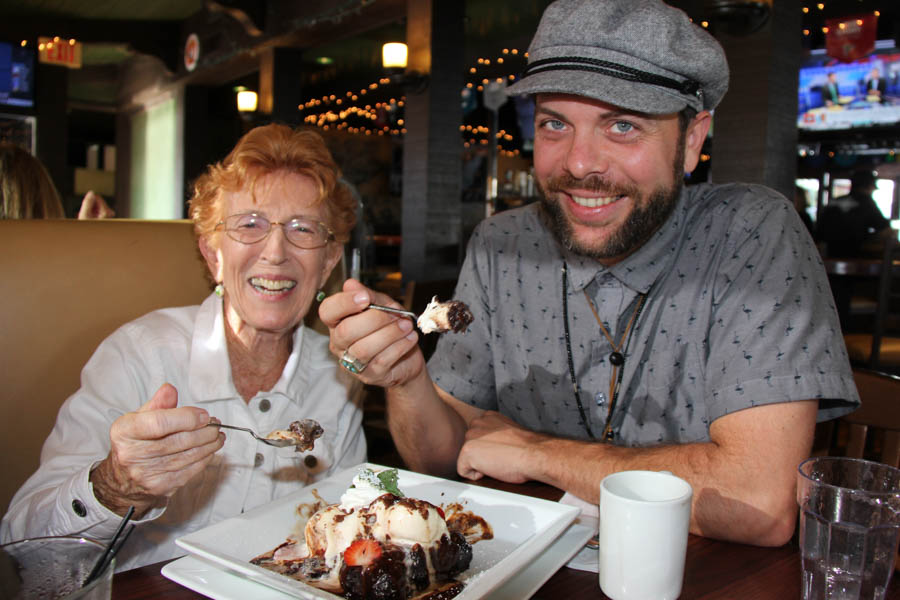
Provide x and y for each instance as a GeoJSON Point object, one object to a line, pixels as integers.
{"type": "Point", "coordinates": [344, 112]}
{"type": "Point", "coordinates": [49, 45]}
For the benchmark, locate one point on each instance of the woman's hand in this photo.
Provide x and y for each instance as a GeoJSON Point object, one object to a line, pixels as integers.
{"type": "Point", "coordinates": [154, 451]}
{"type": "Point", "coordinates": [382, 344]}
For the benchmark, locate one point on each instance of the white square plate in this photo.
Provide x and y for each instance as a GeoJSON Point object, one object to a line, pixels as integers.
{"type": "Point", "coordinates": [523, 528]}
{"type": "Point", "coordinates": [209, 579]}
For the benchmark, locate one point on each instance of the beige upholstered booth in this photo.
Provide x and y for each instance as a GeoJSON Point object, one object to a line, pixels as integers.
{"type": "Point", "coordinates": [64, 286]}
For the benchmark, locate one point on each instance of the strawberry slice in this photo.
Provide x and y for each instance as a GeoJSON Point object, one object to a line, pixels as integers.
{"type": "Point", "coordinates": [362, 552]}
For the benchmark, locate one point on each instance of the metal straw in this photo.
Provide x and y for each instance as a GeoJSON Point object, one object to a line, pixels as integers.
{"type": "Point", "coordinates": [111, 548]}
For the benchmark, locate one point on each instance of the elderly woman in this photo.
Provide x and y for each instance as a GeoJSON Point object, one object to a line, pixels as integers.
{"type": "Point", "coordinates": [270, 221]}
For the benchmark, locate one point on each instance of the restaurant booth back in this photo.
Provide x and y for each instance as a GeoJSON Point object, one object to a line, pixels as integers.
{"type": "Point", "coordinates": [65, 286]}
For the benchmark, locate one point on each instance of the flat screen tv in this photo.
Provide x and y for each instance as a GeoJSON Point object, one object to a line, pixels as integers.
{"type": "Point", "coordinates": [16, 75]}
{"type": "Point", "coordinates": [835, 95]}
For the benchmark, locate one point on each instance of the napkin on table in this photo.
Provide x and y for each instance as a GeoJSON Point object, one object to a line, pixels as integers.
{"type": "Point", "coordinates": [587, 559]}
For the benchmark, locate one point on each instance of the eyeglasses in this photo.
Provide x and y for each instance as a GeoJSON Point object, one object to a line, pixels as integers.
{"type": "Point", "coordinates": [250, 228]}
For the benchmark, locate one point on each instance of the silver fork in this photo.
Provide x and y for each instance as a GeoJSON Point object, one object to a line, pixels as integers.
{"type": "Point", "coordinates": [396, 311]}
{"type": "Point", "coordinates": [276, 443]}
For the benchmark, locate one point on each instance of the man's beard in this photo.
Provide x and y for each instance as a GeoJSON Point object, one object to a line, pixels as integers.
{"type": "Point", "coordinates": [647, 215]}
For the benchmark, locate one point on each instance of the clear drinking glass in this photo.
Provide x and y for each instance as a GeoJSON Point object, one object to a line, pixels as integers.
{"type": "Point", "coordinates": [53, 568]}
{"type": "Point", "coordinates": [849, 527]}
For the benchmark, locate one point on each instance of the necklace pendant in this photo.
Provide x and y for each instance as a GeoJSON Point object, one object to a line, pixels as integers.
{"type": "Point", "coordinates": [616, 359]}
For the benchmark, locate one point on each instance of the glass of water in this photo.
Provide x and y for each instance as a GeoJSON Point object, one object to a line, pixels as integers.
{"type": "Point", "coordinates": [53, 568]}
{"type": "Point", "coordinates": [849, 527]}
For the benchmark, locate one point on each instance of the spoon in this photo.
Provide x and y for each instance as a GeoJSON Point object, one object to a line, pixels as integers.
{"type": "Point", "coordinates": [282, 443]}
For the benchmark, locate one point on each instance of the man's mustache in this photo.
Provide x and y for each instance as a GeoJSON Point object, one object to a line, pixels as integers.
{"type": "Point", "coordinates": [595, 184]}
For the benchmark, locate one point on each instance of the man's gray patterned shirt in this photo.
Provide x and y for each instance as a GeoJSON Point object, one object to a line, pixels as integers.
{"type": "Point", "coordinates": [738, 314]}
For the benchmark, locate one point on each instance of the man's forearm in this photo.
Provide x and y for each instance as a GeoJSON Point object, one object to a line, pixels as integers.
{"type": "Point", "coordinates": [427, 432]}
{"type": "Point", "coordinates": [731, 500]}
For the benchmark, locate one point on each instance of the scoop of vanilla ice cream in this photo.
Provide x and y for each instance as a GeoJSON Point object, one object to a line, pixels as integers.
{"type": "Point", "coordinates": [331, 530]}
{"type": "Point", "coordinates": [411, 526]}
{"type": "Point", "coordinates": [407, 522]}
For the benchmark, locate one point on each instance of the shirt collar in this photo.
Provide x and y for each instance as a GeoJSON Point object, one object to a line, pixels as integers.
{"type": "Point", "coordinates": [210, 370]}
{"type": "Point", "coordinates": [643, 267]}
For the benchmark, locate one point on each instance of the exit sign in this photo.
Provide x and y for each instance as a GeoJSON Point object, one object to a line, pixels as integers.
{"type": "Point", "coordinates": [57, 51]}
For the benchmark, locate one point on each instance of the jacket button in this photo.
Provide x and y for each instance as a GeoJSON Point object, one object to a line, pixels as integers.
{"type": "Point", "coordinates": [258, 459]}
{"type": "Point", "coordinates": [78, 507]}
{"type": "Point", "coordinates": [264, 405]}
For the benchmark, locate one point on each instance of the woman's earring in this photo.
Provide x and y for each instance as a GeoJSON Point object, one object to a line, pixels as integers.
{"type": "Point", "coordinates": [320, 296]}
{"type": "Point", "coordinates": [220, 290]}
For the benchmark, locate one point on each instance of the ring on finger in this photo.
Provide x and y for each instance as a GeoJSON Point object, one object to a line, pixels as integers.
{"type": "Point", "coordinates": [351, 363]}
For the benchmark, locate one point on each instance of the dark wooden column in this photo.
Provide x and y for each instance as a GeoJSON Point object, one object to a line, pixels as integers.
{"type": "Point", "coordinates": [52, 142]}
{"type": "Point", "coordinates": [432, 161]}
{"type": "Point", "coordinates": [755, 126]}
{"type": "Point", "coordinates": [279, 84]}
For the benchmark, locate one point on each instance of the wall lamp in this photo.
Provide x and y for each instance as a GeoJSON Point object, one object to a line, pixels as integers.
{"type": "Point", "coordinates": [247, 101]}
{"type": "Point", "coordinates": [394, 57]}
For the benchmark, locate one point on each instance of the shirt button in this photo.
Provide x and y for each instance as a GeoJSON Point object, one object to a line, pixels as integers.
{"type": "Point", "coordinates": [78, 507]}
{"type": "Point", "coordinates": [264, 405]}
{"type": "Point", "coordinates": [310, 461]}
{"type": "Point", "coordinates": [258, 459]}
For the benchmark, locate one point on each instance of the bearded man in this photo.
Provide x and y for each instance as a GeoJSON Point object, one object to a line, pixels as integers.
{"type": "Point", "coordinates": [626, 321]}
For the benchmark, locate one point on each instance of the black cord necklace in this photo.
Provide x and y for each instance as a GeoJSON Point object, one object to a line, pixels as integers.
{"type": "Point", "coordinates": [616, 359]}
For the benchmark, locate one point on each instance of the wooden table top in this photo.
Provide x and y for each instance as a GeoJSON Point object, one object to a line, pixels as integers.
{"type": "Point", "coordinates": [714, 570]}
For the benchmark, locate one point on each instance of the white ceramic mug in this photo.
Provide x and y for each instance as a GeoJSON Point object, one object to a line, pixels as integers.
{"type": "Point", "coordinates": [644, 520]}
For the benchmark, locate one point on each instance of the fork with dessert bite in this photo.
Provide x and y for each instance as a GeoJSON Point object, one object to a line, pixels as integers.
{"type": "Point", "coordinates": [452, 315]}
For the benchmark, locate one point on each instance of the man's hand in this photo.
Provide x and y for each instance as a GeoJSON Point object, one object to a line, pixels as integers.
{"type": "Point", "coordinates": [154, 451]}
{"type": "Point", "coordinates": [498, 447]}
{"type": "Point", "coordinates": [385, 343]}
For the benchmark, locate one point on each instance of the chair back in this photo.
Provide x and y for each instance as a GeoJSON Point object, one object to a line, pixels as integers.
{"type": "Point", "coordinates": [888, 308]}
{"type": "Point", "coordinates": [880, 349]}
{"type": "Point", "coordinates": [879, 411]}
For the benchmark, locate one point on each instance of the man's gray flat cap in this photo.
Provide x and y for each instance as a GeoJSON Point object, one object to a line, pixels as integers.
{"type": "Point", "coordinates": [641, 55]}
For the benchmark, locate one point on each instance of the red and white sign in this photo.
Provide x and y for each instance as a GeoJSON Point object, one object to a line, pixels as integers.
{"type": "Point", "coordinates": [191, 52]}
{"type": "Point", "coordinates": [57, 51]}
{"type": "Point", "coordinates": [851, 38]}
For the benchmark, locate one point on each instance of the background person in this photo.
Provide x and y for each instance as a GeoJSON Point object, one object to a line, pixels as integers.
{"type": "Point", "coordinates": [831, 93]}
{"type": "Point", "coordinates": [26, 189]}
{"type": "Point", "coordinates": [853, 225]}
{"type": "Point", "coordinates": [625, 322]}
{"type": "Point", "coordinates": [270, 221]}
{"type": "Point", "coordinates": [876, 85]}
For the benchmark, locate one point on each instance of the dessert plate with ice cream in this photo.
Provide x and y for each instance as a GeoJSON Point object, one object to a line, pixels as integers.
{"type": "Point", "coordinates": [330, 540]}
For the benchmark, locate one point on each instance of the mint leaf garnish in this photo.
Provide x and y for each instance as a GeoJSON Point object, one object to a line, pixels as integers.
{"type": "Point", "coordinates": [388, 479]}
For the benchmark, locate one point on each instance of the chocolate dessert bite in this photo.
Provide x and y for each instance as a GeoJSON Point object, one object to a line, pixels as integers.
{"type": "Point", "coordinates": [452, 315]}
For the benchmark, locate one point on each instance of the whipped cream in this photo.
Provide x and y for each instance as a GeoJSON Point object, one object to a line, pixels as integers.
{"type": "Point", "coordinates": [362, 491]}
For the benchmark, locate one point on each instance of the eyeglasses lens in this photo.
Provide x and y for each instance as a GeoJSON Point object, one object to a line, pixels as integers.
{"type": "Point", "coordinates": [250, 228]}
